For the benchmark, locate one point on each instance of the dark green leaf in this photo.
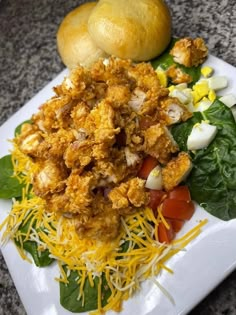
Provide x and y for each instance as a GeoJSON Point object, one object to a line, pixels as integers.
{"type": "Point", "coordinates": [9, 186]}
{"type": "Point", "coordinates": [41, 259]}
{"type": "Point", "coordinates": [166, 60]}
{"type": "Point", "coordinates": [212, 181]}
{"type": "Point", "coordinates": [69, 294]}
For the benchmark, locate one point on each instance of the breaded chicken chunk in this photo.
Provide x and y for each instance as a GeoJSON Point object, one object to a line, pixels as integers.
{"type": "Point", "coordinates": [189, 52]}
{"type": "Point", "coordinates": [176, 171]}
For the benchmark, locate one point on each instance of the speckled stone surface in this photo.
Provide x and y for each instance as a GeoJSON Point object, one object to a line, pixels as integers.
{"type": "Point", "coordinates": [29, 60]}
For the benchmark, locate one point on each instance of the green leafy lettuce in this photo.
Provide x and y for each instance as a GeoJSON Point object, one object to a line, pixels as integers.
{"type": "Point", "coordinates": [10, 186]}
{"type": "Point", "coordinates": [41, 258]}
{"type": "Point", "coordinates": [69, 293]}
{"type": "Point", "coordinates": [212, 181]}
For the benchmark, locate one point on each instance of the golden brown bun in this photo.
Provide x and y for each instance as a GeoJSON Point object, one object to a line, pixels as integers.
{"type": "Point", "coordinates": [135, 29]}
{"type": "Point", "coordinates": [74, 43]}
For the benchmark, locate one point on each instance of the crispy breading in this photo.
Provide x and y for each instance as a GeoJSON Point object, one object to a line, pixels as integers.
{"type": "Point", "coordinates": [50, 178]}
{"type": "Point", "coordinates": [159, 143]}
{"type": "Point", "coordinates": [29, 139]}
{"type": "Point", "coordinates": [176, 170]}
{"type": "Point", "coordinates": [78, 154]}
{"type": "Point", "coordinates": [54, 114]}
{"type": "Point", "coordinates": [189, 52]}
{"type": "Point", "coordinates": [55, 144]}
{"type": "Point", "coordinates": [129, 194]}
{"type": "Point", "coordinates": [91, 138]}
{"type": "Point", "coordinates": [173, 111]}
{"type": "Point", "coordinates": [177, 76]}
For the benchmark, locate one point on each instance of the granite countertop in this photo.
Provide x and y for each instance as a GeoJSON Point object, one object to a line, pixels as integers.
{"type": "Point", "coordinates": [29, 60]}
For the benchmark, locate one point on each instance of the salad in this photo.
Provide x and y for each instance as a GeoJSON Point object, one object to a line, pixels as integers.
{"type": "Point", "coordinates": [101, 266]}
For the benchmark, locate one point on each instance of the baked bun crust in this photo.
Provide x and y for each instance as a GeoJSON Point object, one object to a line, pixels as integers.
{"type": "Point", "coordinates": [74, 43]}
{"type": "Point", "coordinates": [135, 29]}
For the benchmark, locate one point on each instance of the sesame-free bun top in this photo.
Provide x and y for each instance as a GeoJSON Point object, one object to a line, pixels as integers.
{"type": "Point", "coordinates": [131, 29]}
{"type": "Point", "coordinates": [74, 43]}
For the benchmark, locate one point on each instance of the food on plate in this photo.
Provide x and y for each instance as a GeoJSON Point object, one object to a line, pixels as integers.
{"type": "Point", "coordinates": [89, 140]}
{"type": "Point", "coordinates": [98, 176]}
{"type": "Point", "coordinates": [74, 42]}
{"type": "Point", "coordinates": [139, 32]}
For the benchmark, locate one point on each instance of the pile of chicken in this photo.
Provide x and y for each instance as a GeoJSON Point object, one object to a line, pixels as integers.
{"type": "Point", "coordinates": [90, 139]}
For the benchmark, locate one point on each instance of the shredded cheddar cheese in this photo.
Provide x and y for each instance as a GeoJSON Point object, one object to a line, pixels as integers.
{"type": "Point", "coordinates": [134, 256]}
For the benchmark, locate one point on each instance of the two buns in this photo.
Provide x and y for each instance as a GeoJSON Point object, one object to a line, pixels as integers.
{"type": "Point", "coordinates": [129, 29]}
{"type": "Point", "coordinates": [74, 42]}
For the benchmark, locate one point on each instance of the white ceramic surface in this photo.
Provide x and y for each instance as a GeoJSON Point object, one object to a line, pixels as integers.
{"type": "Point", "coordinates": [203, 265]}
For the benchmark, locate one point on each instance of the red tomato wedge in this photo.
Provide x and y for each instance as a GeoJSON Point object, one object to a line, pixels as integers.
{"type": "Point", "coordinates": [165, 235]}
{"type": "Point", "coordinates": [148, 164]}
{"type": "Point", "coordinates": [180, 193]}
{"type": "Point", "coordinates": [177, 209]}
{"type": "Point", "coordinates": [156, 197]}
{"type": "Point", "coordinates": [176, 224]}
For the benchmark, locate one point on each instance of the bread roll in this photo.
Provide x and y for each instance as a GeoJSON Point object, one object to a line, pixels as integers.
{"type": "Point", "coordinates": [135, 29]}
{"type": "Point", "coordinates": [74, 43]}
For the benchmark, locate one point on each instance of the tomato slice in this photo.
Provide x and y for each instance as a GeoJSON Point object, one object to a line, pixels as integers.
{"type": "Point", "coordinates": [177, 209]}
{"type": "Point", "coordinates": [147, 166]}
{"type": "Point", "coordinates": [176, 224]}
{"type": "Point", "coordinates": [156, 197]}
{"type": "Point", "coordinates": [180, 193]}
{"type": "Point", "coordinates": [165, 235]}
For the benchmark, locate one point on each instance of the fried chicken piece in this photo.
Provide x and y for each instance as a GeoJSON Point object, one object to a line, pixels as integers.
{"type": "Point", "coordinates": [103, 227]}
{"type": "Point", "coordinates": [177, 76]}
{"type": "Point", "coordinates": [112, 170]}
{"type": "Point", "coordinates": [55, 144]}
{"type": "Point", "coordinates": [29, 139]}
{"type": "Point", "coordinates": [172, 111]}
{"type": "Point", "coordinates": [189, 52]}
{"type": "Point", "coordinates": [145, 76]}
{"type": "Point", "coordinates": [50, 178]}
{"type": "Point", "coordinates": [79, 115]}
{"type": "Point", "coordinates": [78, 154]}
{"type": "Point", "coordinates": [100, 121]}
{"type": "Point", "coordinates": [128, 195]}
{"type": "Point", "coordinates": [54, 114]}
{"type": "Point", "coordinates": [176, 171]}
{"type": "Point", "coordinates": [159, 143]}
{"type": "Point", "coordinates": [118, 95]}
{"type": "Point", "coordinates": [79, 193]}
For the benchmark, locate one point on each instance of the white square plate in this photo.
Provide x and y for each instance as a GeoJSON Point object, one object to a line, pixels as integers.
{"type": "Point", "coordinates": [208, 259]}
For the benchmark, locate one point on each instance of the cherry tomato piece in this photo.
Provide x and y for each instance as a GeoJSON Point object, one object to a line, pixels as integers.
{"type": "Point", "coordinates": [147, 166]}
{"type": "Point", "coordinates": [156, 197]}
{"type": "Point", "coordinates": [180, 193]}
{"type": "Point", "coordinates": [165, 235]}
{"type": "Point", "coordinates": [176, 224]}
{"type": "Point", "coordinates": [177, 209]}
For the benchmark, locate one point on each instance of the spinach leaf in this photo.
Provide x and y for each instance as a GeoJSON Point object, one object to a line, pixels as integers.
{"type": "Point", "coordinates": [41, 259]}
{"type": "Point", "coordinates": [166, 60]}
{"type": "Point", "coordinates": [18, 128]}
{"type": "Point", "coordinates": [212, 181]}
{"type": "Point", "coordinates": [69, 294]}
{"type": "Point", "coordinates": [9, 186]}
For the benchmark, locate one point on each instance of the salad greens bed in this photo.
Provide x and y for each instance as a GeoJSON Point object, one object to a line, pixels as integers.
{"type": "Point", "coordinates": [212, 183]}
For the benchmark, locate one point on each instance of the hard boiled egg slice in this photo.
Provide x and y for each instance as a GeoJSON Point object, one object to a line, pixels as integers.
{"type": "Point", "coordinates": [201, 136]}
{"type": "Point", "coordinates": [229, 100]}
{"type": "Point", "coordinates": [154, 180]}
